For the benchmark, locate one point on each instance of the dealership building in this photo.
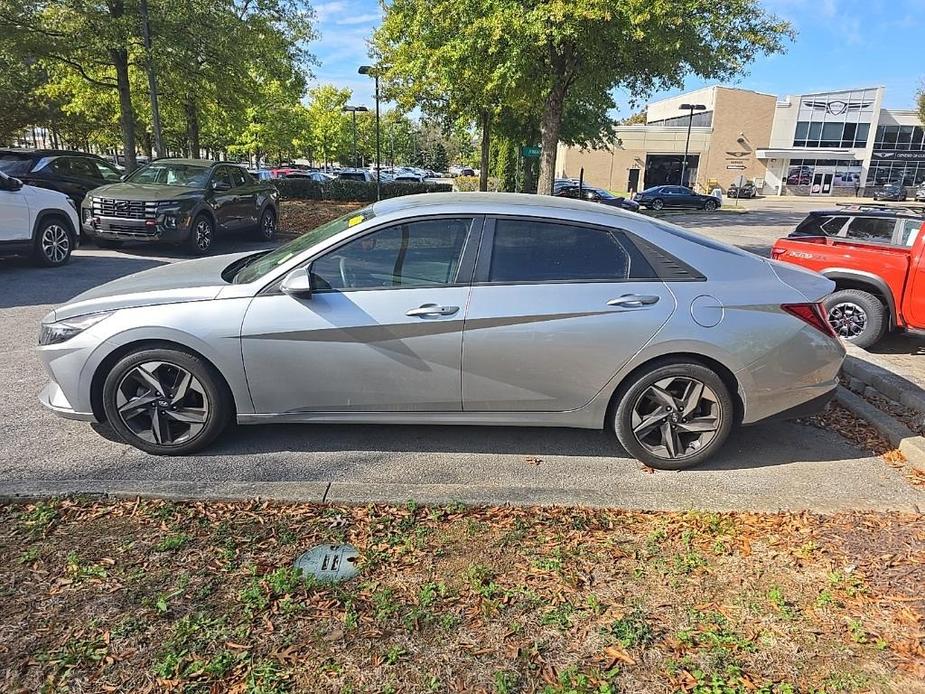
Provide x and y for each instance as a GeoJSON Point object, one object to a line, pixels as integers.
{"type": "Point", "coordinates": [822, 144]}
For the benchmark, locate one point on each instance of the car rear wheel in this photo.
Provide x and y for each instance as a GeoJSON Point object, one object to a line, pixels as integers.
{"type": "Point", "coordinates": [856, 316]}
{"type": "Point", "coordinates": [166, 401]}
{"type": "Point", "coordinates": [709, 205]}
{"type": "Point", "coordinates": [657, 204]}
{"type": "Point", "coordinates": [674, 415]}
{"type": "Point", "coordinates": [266, 231]}
{"type": "Point", "coordinates": [201, 236]}
{"type": "Point", "coordinates": [53, 243]}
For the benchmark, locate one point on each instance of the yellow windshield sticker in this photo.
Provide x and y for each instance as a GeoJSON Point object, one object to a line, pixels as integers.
{"type": "Point", "coordinates": [284, 258]}
{"type": "Point", "coordinates": [353, 221]}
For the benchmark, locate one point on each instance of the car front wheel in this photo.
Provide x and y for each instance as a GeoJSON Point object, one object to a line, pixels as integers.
{"type": "Point", "coordinates": [201, 236]}
{"type": "Point", "coordinates": [709, 205]}
{"type": "Point", "coordinates": [53, 243]}
{"type": "Point", "coordinates": [674, 415]}
{"type": "Point", "coordinates": [657, 204]}
{"type": "Point", "coordinates": [166, 401]}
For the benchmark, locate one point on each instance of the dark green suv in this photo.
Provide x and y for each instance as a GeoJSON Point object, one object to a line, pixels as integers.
{"type": "Point", "coordinates": [180, 201]}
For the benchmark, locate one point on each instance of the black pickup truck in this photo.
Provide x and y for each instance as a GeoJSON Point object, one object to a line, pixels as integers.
{"type": "Point", "coordinates": [180, 201]}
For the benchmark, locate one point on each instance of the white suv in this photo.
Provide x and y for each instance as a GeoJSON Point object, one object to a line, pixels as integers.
{"type": "Point", "coordinates": [37, 222]}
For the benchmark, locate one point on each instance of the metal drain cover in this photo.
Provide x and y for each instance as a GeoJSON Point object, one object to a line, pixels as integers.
{"type": "Point", "coordinates": [330, 563]}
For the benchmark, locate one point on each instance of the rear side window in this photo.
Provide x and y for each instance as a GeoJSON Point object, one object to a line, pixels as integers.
{"type": "Point", "coordinates": [352, 176]}
{"type": "Point", "coordinates": [910, 231]}
{"type": "Point", "coordinates": [873, 229]}
{"type": "Point", "coordinates": [821, 225]}
{"type": "Point", "coordinates": [532, 251]}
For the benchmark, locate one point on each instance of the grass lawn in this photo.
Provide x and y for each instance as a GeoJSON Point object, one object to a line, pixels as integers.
{"type": "Point", "coordinates": [144, 596]}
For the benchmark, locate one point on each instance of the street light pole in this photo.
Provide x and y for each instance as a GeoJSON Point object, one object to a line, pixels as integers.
{"type": "Point", "coordinates": [374, 71]}
{"type": "Point", "coordinates": [687, 143]}
{"type": "Point", "coordinates": [353, 110]}
{"type": "Point", "coordinates": [152, 81]}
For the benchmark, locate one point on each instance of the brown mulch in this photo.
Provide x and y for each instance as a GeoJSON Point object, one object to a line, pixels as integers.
{"type": "Point", "coordinates": [146, 596]}
{"type": "Point", "coordinates": [299, 216]}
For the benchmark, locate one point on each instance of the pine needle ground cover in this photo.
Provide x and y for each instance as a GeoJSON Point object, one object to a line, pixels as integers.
{"type": "Point", "coordinates": [144, 596]}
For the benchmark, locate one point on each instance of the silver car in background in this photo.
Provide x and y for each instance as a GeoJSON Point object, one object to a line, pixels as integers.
{"type": "Point", "coordinates": [483, 309]}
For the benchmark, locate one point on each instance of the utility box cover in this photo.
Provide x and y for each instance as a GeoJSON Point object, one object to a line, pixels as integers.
{"type": "Point", "coordinates": [530, 151]}
{"type": "Point", "coordinates": [330, 563]}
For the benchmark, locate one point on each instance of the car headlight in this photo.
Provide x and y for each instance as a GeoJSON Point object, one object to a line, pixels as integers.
{"type": "Point", "coordinates": [63, 330]}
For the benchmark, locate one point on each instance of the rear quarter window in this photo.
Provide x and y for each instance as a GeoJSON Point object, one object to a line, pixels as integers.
{"type": "Point", "coordinates": [821, 225]}
{"type": "Point", "coordinates": [13, 164]}
{"type": "Point", "coordinates": [871, 229]}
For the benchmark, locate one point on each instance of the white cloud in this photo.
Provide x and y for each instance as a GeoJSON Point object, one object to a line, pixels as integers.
{"type": "Point", "coordinates": [361, 19]}
{"type": "Point", "coordinates": [327, 10]}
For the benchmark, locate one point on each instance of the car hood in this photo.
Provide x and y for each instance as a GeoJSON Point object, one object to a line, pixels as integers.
{"type": "Point", "coordinates": [145, 191]}
{"type": "Point", "coordinates": [190, 280]}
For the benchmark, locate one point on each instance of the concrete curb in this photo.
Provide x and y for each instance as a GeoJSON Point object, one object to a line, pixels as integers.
{"type": "Point", "coordinates": [880, 374]}
{"type": "Point", "coordinates": [487, 495]}
{"type": "Point", "coordinates": [899, 435]}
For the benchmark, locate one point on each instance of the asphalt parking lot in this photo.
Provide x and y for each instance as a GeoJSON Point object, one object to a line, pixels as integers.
{"type": "Point", "coordinates": [768, 467]}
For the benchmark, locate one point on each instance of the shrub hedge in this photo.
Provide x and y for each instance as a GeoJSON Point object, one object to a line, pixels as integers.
{"type": "Point", "coordinates": [351, 191]}
{"type": "Point", "coordinates": [469, 184]}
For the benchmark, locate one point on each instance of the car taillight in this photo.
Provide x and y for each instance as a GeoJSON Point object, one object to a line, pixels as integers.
{"type": "Point", "coordinates": [776, 253]}
{"type": "Point", "coordinates": [813, 314]}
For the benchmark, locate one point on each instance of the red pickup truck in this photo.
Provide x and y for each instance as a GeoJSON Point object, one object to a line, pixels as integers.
{"type": "Point", "coordinates": [880, 285]}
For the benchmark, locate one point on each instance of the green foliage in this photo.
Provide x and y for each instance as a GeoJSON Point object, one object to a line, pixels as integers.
{"type": "Point", "coordinates": [468, 184]}
{"type": "Point", "coordinates": [631, 630]}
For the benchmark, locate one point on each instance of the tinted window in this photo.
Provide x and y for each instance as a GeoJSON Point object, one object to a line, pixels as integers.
{"type": "Point", "coordinates": [417, 254]}
{"type": "Point", "coordinates": [530, 251]}
{"type": "Point", "coordinates": [238, 177]}
{"type": "Point", "coordinates": [352, 176]}
{"type": "Point", "coordinates": [871, 229]}
{"type": "Point", "coordinates": [84, 168]}
{"type": "Point", "coordinates": [107, 172]}
{"type": "Point", "coordinates": [818, 224]}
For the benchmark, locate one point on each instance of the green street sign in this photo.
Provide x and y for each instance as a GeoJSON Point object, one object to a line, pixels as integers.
{"type": "Point", "coordinates": [530, 151]}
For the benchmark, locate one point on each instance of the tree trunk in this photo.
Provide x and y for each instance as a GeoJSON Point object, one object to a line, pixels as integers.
{"type": "Point", "coordinates": [119, 57]}
{"type": "Point", "coordinates": [486, 144]}
{"type": "Point", "coordinates": [550, 125]}
{"type": "Point", "coordinates": [192, 126]}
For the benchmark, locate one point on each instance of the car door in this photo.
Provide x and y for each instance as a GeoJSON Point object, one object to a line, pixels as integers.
{"type": "Point", "coordinates": [244, 198]}
{"type": "Point", "coordinates": [671, 196]}
{"type": "Point", "coordinates": [14, 212]}
{"type": "Point", "coordinates": [556, 310]}
{"type": "Point", "coordinates": [222, 199]}
{"type": "Point", "coordinates": [86, 176]}
{"type": "Point", "coordinates": [57, 173]}
{"type": "Point", "coordinates": [381, 332]}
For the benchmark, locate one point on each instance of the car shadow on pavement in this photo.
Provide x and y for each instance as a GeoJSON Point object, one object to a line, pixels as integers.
{"type": "Point", "coordinates": [766, 445]}
{"type": "Point", "coordinates": [23, 284]}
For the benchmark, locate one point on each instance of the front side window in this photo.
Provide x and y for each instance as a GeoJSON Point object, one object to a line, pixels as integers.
{"type": "Point", "coordinates": [238, 177]}
{"type": "Point", "coordinates": [874, 229]}
{"type": "Point", "coordinates": [532, 251]}
{"type": "Point", "coordinates": [423, 253]}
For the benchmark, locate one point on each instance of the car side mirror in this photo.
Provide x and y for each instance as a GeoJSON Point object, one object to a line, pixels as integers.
{"type": "Point", "coordinates": [297, 284]}
{"type": "Point", "coordinates": [221, 186]}
{"type": "Point", "coordinates": [11, 184]}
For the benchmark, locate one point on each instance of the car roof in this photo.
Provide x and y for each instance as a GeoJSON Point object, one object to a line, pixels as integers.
{"type": "Point", "coordinates": [38, 153]}
{"type": "Point", "coordinates": [493, 203]}
{"type": "Point", "coordinates": [870, 211]}
{"type": "Point", "coordinates": [204, 163]}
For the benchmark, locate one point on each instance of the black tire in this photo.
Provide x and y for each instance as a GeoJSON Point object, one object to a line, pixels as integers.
{"type": "Point", "coordinates": [709, 205]}
{"type": "Point", "coordinates": [54, 241]}
{"type": "Point", "coordinates": [201, 235]}
{"type": "Point", "coordinates": [210, 398]}
{"type": "Point", "coordinates": [107, 243]}
{"type": "Point", "coordinates": [714, 408]}
{"type": "Point", "coordinates": [856, 316]}
{"type": "Point", "coordinates": [266, 227]}
{"type": "Point", "coordinates": [657, 204]}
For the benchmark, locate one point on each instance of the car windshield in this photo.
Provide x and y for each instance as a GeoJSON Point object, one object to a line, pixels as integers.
{"type": "Point", "coordinates": [14, 164]}
{"type": "Point", "coordinates": [263, 264]}
{"type": "Point", "coordinates": [168, 173]}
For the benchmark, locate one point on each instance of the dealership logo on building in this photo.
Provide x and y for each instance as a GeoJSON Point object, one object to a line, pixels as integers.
{"type": "Point", "coordinates": [837, 107]}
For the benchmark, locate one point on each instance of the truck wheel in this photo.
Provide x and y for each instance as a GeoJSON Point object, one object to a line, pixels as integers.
{"type": "Point", "coordinates": [201, 235]}
{"type": "Point", "coordinates": [856, 316]}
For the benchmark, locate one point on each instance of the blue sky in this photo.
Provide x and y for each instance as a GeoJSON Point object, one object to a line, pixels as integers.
{"type": "Point", "coordinates": [840, 44]}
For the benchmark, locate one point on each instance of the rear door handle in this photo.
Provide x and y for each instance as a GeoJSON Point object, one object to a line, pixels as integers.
{"type": "Point", "coordinates": [432, 310]}
{"type": "Point", "coordinates": [633, 300]}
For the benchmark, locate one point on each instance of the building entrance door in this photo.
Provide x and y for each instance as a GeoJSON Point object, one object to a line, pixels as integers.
{"type": "Point", "coordinates": [632, 184]}
{"type": "Point", "coordinates": [822, 184]}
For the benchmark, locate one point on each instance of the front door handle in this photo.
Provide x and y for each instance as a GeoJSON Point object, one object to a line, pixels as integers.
{"type": "Point", "coordinates": [432, 310]}
{"type": "Point", "coordinates": [633, 300]}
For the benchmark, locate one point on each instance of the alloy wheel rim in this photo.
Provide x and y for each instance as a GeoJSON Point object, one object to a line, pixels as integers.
{"type": "Point", "coordinates": [162, 403]}
{"type": "Point", "coordinates": [203, 235]}
{"type": "Point", "coordinates": [269, 225]}
{"type": "Point", "coordinates": [676, 417]}
{"type": "Point", "coordinates": [848, 320]}
{"type": "Point", "coordinates": [55, 243]}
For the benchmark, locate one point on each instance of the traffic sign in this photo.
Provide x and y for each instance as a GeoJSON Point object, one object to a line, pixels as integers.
{"type": "Point", "coordinates": [530, 151]}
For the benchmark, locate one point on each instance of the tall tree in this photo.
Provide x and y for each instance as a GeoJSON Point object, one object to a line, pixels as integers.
{"type": "Point", "coordinates": [326, 120]}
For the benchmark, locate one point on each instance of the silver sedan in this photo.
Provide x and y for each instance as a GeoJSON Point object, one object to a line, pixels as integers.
{"type": "Point", "coordinates": [487, 309]}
